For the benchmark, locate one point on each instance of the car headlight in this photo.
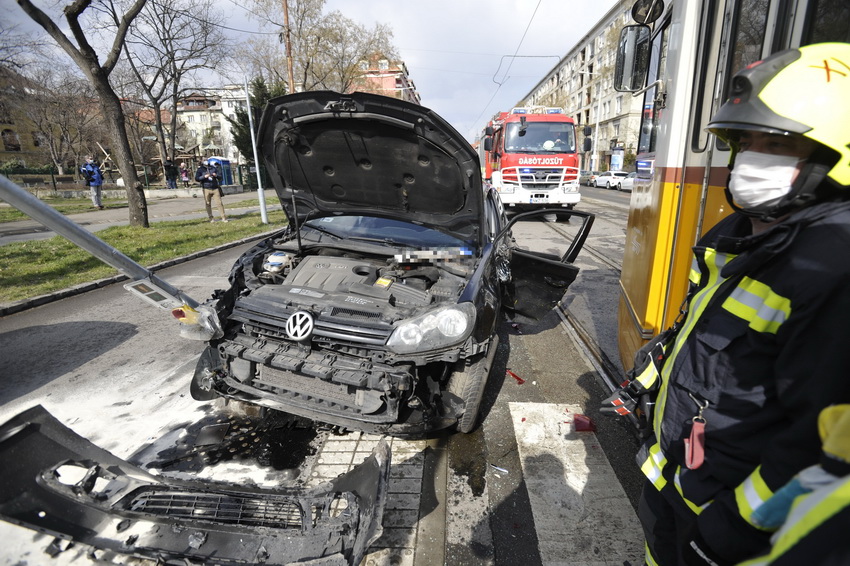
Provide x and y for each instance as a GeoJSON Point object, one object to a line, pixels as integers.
{"type": "Point", "coordinates": [437, 329]}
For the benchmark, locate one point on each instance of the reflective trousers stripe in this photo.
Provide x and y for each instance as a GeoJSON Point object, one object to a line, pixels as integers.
{"type": "Point", "coordinates": [756, 303]}
{"type": "Point", "coordinates": [750, 495]}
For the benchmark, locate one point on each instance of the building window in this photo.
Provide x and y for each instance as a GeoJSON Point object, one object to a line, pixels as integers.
{"type": "Point", "coordinates": [204, 118]}
{"type": "Point", "coordinates": [364, 65]}
{"type": "Point", "coordinates": [619, 101]}
{"type": "Point", "coordinates": [383, 65]}
{"type": "Point", "coordinates": [190, 119]}
{"type": "Point", "coordinates": [11, 142]}
{"type": "Point", "coordinates": [5, 115]}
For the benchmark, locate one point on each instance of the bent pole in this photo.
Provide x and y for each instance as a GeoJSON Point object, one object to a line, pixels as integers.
{"type": "Point", "coordinates": [37, 210]}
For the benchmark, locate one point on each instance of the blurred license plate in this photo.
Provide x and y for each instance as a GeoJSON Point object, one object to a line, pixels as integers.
{"type": "Point", "coordinates": [538, 200]}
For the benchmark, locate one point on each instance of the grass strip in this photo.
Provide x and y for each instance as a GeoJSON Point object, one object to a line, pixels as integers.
{"type": "Point", "coordinates": [76, 205]}
{"type": "Point", "coordinates": [32, 268]}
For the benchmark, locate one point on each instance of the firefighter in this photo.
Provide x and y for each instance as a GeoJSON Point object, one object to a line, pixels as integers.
{"type": "Point", "coordinates": [762, 349]}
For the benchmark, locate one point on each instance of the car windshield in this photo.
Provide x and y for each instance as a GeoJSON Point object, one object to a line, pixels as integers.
{"type": "Point", "coordinates": [395, 233]}
{"type": "Point", "coordinates": [540, 137]}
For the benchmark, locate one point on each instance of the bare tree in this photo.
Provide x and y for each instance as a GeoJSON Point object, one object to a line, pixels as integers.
{"type": "Point", "coordinates": [55, 102]}
{"type": "Point", "coordinates": [327, 48]}
{"type": "Point", "coordinates": [97, 72]}
{"type": "Point", "coordinates": [168, 40]}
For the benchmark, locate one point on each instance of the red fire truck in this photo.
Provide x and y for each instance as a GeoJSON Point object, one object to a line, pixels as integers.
{"type": "Point", "coordinates": [529, 155]}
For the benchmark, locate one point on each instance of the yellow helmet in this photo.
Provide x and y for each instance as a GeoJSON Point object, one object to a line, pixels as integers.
{"type": "Point", "coordinates": [803, 91]}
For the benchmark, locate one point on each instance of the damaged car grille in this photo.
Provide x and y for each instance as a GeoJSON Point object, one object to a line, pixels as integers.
{"type": "Point", "coordinates": [348, 325]}
{"type": "Point", "coordinates": [227, 508]}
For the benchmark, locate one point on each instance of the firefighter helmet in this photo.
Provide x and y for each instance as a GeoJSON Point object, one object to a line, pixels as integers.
{"type": "Point", "coordinates": [798, 91]}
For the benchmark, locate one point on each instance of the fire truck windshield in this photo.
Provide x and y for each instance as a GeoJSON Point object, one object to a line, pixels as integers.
{"type": "Point", "coordinates": [540, 137]}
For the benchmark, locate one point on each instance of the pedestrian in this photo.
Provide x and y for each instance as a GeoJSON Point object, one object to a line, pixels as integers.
{"type": "Point", "coordinates": [171, 173]}
{"type": "Point", "coordinates": [184, 175]}
{"type": "Point", "coordinates": [207, 175]}
{"type": "Point", "coordinates": [762, 348]}
{"type": "Point", "coordinates": [94, 180]}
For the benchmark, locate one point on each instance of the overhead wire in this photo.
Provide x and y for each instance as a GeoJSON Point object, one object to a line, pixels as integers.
{"type": "Point", "coordinates": [506, 77]}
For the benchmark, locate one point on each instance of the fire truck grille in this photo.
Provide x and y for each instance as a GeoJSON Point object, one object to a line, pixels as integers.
{"type": "Point", "coordinates": [538, 178]}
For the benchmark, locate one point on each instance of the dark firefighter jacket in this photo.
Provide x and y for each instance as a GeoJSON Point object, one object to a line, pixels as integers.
{"type": "Point", "coordinates": [765, 345]}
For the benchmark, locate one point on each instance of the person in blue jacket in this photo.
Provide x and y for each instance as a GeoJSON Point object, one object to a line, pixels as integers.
{"type": "Point", "coordinates": [94, 181]}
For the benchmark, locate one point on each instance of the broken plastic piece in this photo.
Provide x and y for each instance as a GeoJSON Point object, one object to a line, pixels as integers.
{"type": "Point", "coordinates": [583, 423]}
{"type": "Point", "coordinates": [498, 469]}
{"type": "Point", "coordinates": [515, 376]}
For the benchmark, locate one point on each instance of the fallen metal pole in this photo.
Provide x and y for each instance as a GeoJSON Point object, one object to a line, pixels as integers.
{"type": "Point", "coordinates": [31, 206]}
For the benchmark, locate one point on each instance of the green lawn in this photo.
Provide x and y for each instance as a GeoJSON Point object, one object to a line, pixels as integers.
{"type": "Point", "coordinates": [29, 269]}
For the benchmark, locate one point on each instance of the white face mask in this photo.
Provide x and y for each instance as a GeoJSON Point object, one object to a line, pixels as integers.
{"type": "Point", "coordinates": [760, 180]}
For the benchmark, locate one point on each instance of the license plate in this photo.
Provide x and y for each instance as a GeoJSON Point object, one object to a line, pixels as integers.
{"type": "Point", "coordinates": [538, 200]}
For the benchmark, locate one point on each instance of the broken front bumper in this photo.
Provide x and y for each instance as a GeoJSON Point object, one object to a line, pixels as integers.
{"type": "Point", "coordinates": [56, 482]}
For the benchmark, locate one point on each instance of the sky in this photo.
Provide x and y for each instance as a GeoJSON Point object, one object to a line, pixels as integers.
{"type": "Point", "coordinates": [458, 51]}
{"type": "Point", "coordinates": [468, 58]}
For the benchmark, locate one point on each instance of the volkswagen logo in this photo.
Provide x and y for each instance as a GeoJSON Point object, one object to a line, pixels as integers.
{"type": "Point", "coordinates": [299, 326]}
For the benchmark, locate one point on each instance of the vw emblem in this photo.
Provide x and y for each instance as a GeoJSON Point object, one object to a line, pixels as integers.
{"type": "Point", "coordinates": [299, 326]}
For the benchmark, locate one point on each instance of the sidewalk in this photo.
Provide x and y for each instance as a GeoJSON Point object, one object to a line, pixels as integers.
{"type": "Point", "coordinates": [159, 209]}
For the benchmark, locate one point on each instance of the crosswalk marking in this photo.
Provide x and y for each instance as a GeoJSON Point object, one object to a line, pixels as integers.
{"type": "Point", "coordinates": [581, 513]}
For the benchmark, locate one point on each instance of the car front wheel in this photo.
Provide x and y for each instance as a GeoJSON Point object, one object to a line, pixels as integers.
{"type": "Point", "coordinates": [607, 184]}
{"type": "Point", "coordinates": [468, 382]}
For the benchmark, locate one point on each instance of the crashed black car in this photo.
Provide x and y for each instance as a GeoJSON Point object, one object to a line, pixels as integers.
{"type": "Point", "coordinates": [376, 309]}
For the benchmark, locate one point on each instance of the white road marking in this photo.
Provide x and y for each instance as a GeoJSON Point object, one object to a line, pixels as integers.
{"type": "Point", "coordinates": [581, 513]}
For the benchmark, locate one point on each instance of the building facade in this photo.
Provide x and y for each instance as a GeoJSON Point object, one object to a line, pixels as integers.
{"type": "Point", "coordinates": [582, 83]}
{"type": "Point", "coordinates": [387, 78]}
{"type": "Point", "coordinates": [202, 121]}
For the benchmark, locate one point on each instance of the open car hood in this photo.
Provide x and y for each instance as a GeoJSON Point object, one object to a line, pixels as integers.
{"type": "Point", "coordinates": [371, 155]}
{"type": "Point", "coordinates": [115, 506]}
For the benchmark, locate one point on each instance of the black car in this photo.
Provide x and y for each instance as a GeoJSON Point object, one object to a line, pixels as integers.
{"type": "Point", "coordinates": [376, 309]}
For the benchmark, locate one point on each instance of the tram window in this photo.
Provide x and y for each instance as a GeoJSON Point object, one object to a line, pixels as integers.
{"type": "Point", "coordinates": [652, 106]}
{"type": "Point", "coordinates": [827, 20]}
{"type": "Point", "coordinates": [748, 44]}
{"type": "Point", "coordinates": [751, 22]}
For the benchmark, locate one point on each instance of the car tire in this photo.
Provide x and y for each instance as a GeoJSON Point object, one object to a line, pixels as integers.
{"type": "Point", "coordinates": [468, 382]}
{"type": "Point", "coordinates": [608, 185]}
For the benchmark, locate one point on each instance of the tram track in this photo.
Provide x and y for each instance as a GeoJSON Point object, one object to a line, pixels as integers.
{"type": "Point", "coordinates": [609, 373]}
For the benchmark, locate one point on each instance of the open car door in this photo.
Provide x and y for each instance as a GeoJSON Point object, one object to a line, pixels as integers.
{"type": "Point", "coordinates": [538, 279]}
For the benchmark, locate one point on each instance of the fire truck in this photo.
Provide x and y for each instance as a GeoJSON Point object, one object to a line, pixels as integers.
{"type": "Point", "coordinates": [529, 155]}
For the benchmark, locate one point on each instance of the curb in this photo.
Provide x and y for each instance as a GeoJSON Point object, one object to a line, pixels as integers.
{"type": "Point", "coordinates": [26, 304]}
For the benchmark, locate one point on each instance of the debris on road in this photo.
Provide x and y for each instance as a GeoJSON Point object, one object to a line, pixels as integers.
{"type": "Point", "coordinates": [519, 380]}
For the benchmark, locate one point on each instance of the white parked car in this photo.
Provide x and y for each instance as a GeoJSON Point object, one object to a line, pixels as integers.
{"type": "Point", "coordinates": [628, 183]}
{"type": "Point", "coordinates": [609, 179]}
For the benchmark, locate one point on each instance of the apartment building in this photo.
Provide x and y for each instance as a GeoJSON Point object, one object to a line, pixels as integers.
{"type": "Point", "coordinates": [203, 124]}
{"type": "Point", "coordinates": [387, 78]}
{"type": "Point", "coordinates": [582, 83]}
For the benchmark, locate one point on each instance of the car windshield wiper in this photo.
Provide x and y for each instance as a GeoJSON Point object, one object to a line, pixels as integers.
{"type": "Point", "coordinates": [384, 241]}
{"type": "Point", "coordinates": [323, 231]}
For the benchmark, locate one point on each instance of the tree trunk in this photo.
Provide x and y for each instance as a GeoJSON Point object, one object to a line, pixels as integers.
{"type": "Point", "coordinates": [110, 106]}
